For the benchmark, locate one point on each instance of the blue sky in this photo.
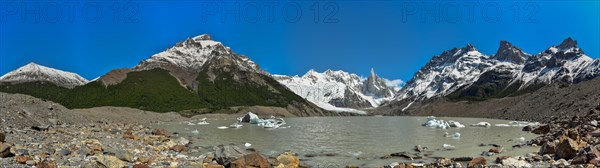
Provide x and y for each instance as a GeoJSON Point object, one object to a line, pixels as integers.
{"type": "Point", "coordinates": [394, 37]}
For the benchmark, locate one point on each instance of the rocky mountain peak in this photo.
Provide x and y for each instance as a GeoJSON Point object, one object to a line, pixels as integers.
{"type": "Point", "coordinates": [568, 43]}
{"type": "Point", "coordinates": [510, 53]}
{"type": "Point", "coordinates": [202, 37]}
{"type": "Point", "coordinates": [470, 47]}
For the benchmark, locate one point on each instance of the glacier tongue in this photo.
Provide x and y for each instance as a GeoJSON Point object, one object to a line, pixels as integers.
{"type": "Point", "coordinates": [33, 72]}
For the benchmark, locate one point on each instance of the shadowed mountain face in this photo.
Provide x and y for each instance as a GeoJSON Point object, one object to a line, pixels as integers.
{"type": "Point", "coordinates": [195, 74]}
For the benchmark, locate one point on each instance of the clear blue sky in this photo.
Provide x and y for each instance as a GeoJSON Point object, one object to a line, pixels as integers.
{"type": "Point", "coordinates": [358, 35]}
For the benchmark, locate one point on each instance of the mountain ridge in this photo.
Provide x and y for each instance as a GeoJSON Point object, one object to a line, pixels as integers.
{"type": "Point", "coordinates": [466, 74]}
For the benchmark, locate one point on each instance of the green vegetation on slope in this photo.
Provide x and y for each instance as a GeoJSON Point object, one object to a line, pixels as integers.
{"type": "Point", "coordinates": [226, 92]}
{"type": "Point", "coordinates": [156, 90]}
{"type": "Point", "coordinates": [153, 90]}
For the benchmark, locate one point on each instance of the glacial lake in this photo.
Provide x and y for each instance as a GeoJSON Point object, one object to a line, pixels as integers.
{"type": "Point", "coordinates": [339, 141]}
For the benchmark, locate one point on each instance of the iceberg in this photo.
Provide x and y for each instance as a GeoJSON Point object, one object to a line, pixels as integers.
{"type": "Point", "coordinates": [235, 125]}
{"type": "Point", "coordinates": [249, 118]}
{"type": "Point", "coordinates": [434, 123]}
{"type": "Point", "coordinates": [448, 147]}
{"type": "Point", "coordinates": [456, 135]}
{"type": "Point", "coordinates": [455, 124]}
{"type": "Point", "coordinates": [265, 123]}
{"type": "Point", "coordinates": [482, 124]}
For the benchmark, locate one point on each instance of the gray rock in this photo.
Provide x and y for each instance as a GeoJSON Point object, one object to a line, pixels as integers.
{"type": "Point", "coordinates": [125, 156]}
{"type": "Point", "coordinates": [225, 154]}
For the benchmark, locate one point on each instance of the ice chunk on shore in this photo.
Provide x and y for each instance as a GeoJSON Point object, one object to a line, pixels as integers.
{"type": "Point", "coordinates": [482, 124]}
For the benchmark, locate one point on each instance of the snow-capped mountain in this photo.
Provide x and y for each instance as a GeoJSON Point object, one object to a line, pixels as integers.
{"type": "Point", "coordinates": [33, 72]}
{"type": "Point", "coordinates": [194, 52]}
{"type": "Point", "coordinates": [185, 59]}
{"type": "Point", "coordinates": [339, 90]}
{"type": "Point", "coordinates": [467, 72]}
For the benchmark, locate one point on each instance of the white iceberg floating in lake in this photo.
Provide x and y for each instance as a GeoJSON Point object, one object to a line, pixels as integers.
{"type": "Point", "coordinates": [456, 135]}
{"type": "Point", "coordinates": [482, 124]}
{"type": "Point", "coordinates": [222, 127]}
{"type": "Point", "coordinates": [455, 124]}
{"type": "Point", "coordinates": [249, 118]}
{"type": "Point", "coordinates": [247, 145]}
{"type": "Point", "coordinates": [235, 125]}
{"type": "Point", "coordinates": [190, 123]}
{"type": "Point", "coordinates": [435, 123]}
{"type": "Point", "coordinates": [195, 132]}
{"type": "Point", "coordinates": [448, 147]}
{"type": "Point", "coordinates": [265, 123]}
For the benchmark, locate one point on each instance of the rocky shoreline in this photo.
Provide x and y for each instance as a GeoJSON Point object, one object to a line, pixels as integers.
{"type": "Point", "coordinates": [43, 134]}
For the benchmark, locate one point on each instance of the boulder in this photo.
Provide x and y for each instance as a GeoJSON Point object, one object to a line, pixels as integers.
{"type": "Point", "coordinates": [2, 137]}
{"type": "Point", "coordinates": [182, 141]}
{"type": "Point", "coordinates": [141, 165]}
{"type": "Point", "coordinates": [254, 160]}
{"type": "Point", "coordinates": [179, 148]}
{"type": "Point", "coordinates": [22, 159]}
{"type": "Point", "coordinates": [225, 154]}
{"type": "Point", "coordinates": [579, 159]}
{"type": "Point", "coordinates": [419, 148]}
{"type": "Point", "coordinates": [288, 160]}
{"type": "Point", "coordinates": [109, 161]}
{"type": "Point", "coordinates": [527, 128]}
{"type": "Point", "coordinates": [547, 148]}
{"type": "Point", "coordinates": [128, 135]}
{"type": "Point", "coordinates": [567, 148]}
{"type": "Point", "coordinates": [478, 161]}
{"type": "Point", "coordinates": [462, 159]}
{"type": "Point", "coordinates": [496, 149]}
{"type": "Point", "coordinates": [544, 129]}
{"type": "Point", "coordinates": [402, 155]}
{"type": "Point", "coordinates": [125, 156]}
{"type": "Point", "coordinates": [160, 132]}
{"type": "Point", "coordinates": [595, 133]}
{"type": "Point", "coordinates": [213, 165]}
{"type": "Point", "coordinates": [5, 150]}
{"type": "Point", "coordinates": [443, 162]}
{"type": "Point", "coordinates": [514, 162]}
{"type": "Point", "coordinates": [46, 164]}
